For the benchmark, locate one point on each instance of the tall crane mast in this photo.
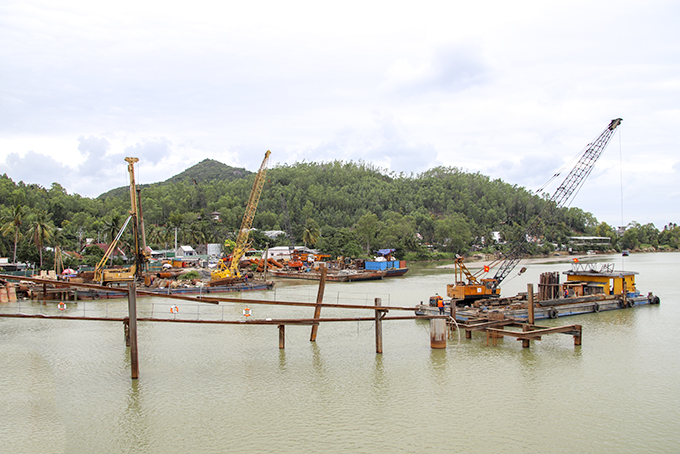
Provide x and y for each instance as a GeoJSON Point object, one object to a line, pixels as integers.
{"type": "Point", "coordinates": [562, 197]}
{"type": "Point", "coordinates": [231, 270]}
{"type": "Point", "coordinates": [107, 276]}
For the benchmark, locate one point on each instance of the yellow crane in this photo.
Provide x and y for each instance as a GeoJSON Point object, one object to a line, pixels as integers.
{"type": "Point", "coordinates": [117, 275]}
{"type": "Point", "coordinates": [231, 270]}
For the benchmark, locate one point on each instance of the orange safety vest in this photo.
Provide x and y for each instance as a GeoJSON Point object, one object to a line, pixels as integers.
{"type": "Point", "coordinates": [440, 301]}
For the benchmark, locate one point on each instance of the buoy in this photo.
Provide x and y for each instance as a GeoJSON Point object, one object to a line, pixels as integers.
{"type": "Point", "coordinates": [174, 309]}
{"type": "Point", "coordinates": [246, 312]}
{"type": "Point", "coordinates": [62, 306]}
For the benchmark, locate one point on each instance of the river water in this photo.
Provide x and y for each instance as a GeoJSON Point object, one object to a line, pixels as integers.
{"type": "Point", "coordinates": [65, 386]}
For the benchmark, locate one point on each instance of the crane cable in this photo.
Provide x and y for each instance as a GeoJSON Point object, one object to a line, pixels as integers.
{"type": "Point", "coordinates": [621, 177]}
{"type": "Point", "coordinates": [567, 165]}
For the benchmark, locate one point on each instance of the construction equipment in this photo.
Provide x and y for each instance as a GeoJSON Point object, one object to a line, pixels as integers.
{"type": "Point", "coordinates": [473, 289]}
{"type": "Point", "coordinates": [230, 269]}
{"type": "Point", "coordinates": [114, 275]}
{"type": "Point", "coordinates": [118, 275]}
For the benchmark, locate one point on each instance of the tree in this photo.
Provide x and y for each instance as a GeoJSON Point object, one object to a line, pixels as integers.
{"type": "Point", "coordinates": [12, 225]}
{"type": "Point", "coordinates": [113, 226]}
{"type": "Point", "coordinates": [630, 239]}
{"type": "Point", "coordinates": [194, 234]}
{"type": "Point", "coordinates": [454, 233]}
{"type": "Point", "coordinates": [311, 234]}
{"type": "Point", "coordinates": [40, 232]}
{"type": "Point", "coordinates": [367, 229]}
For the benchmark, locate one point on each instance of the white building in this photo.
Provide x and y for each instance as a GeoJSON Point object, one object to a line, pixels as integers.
{"type": "Point", "coordinates": [185, 251]}
{"type": "Point", "coordinates": [283, 252]}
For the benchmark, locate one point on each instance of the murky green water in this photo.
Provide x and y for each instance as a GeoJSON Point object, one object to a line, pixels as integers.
{"type": "Point", "coordinates": [65, 386]}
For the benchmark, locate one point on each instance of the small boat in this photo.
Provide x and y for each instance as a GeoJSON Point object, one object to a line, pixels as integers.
{"type": "Point", "coordinates": [625, 253]}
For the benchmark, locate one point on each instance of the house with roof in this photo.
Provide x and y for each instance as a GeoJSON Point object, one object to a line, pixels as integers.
{"type": "Point", "coordinates": [185, 251]}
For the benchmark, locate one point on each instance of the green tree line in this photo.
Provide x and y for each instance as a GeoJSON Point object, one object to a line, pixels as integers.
{"type": "Point", "coordinates": [342, 208]}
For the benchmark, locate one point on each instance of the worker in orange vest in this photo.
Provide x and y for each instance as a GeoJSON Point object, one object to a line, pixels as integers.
{"type": "Point", "coordinates": [440, 303]}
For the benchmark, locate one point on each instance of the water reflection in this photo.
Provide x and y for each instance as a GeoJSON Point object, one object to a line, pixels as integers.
{"type": "Point", "coordinates": [282, 360]}
{"type": "Point", "coordinates": [133, 422]}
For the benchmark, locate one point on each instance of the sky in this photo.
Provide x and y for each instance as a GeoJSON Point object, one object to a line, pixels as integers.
{"type": "Point", "coordinates": [512, 90]}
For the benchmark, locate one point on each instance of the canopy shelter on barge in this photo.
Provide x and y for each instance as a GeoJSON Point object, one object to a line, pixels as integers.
{"type": "Point", "coordinates": [598, 279]}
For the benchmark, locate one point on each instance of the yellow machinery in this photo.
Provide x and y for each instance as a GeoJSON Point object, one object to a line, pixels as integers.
{"type": "Point", "coordinates": [472, 289]}
{"type": "Point", "coordinates": [231, 269]}
{"type": "Point", "coordinates": [116, 275]}
{"type": "Point", "coordinates": [475, 289]}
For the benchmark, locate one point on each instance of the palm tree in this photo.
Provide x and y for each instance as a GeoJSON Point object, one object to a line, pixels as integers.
{"type": "Point", "coordinates": [194, 234]}
{"type": "Point", "coordinates": [311, 233]}
{"type": "Point", "coordinates": [154, 235]}
{"type": "Point", "coordinates": [40, 232]}
{"type": "Point", "coordinates": [12, 224]}
{"type": "Point", "coordinates": [113, 226]}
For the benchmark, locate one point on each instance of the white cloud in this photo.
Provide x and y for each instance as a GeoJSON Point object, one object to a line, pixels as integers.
{"type": "Point", "coordinates": [509, 89]}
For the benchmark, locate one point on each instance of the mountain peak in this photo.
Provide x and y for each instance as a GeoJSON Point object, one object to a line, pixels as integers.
{"type": "Point", "coordinates": [209, 170]}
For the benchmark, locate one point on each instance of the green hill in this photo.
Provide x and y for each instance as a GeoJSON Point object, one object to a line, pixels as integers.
{"type": "Point", "coordinates": [209, 170]}
{"type": "Point", "coordinates": [204, 172]}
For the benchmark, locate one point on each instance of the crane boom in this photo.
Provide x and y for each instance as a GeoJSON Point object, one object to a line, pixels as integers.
{"type": "Point", "coordinates": [562, 197]}
{"type": "Point", "coordinates": [231, 270]}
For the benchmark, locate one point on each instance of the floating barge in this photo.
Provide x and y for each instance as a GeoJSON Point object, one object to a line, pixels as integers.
{"type": "Point", "coordinates": [385, 262]}
{"type": "Point", "coordinates": [588, 288]}
{"type": "Point", "coordinates": [333, 276]}
{"type": "Point", "coordinates": [70, 294]}
{"type": "Point", "coordinates": [392, 267]}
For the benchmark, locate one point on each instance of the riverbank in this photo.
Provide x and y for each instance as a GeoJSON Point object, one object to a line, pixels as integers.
{"type": "Point", "coordinates": [476, 264]}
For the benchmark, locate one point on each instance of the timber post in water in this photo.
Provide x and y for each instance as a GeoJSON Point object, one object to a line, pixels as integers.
{"type": "Point", "coordinates": [282, 337]}
{"type": "Point", "coordinates": [132, 327]}
{"type": "Point", "coordinates": [378, 325]}
{"type": "Point", "coordinates": [526, 343]}
{"type": "Point", "coordinates": [319, 300]}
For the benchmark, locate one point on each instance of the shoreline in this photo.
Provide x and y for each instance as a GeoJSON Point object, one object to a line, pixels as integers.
{"type": "Point", "coordinates": [525, 261]}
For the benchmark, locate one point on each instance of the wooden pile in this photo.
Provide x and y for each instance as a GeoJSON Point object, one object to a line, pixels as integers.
{"type": "Point", "coordinates": [549, 286]}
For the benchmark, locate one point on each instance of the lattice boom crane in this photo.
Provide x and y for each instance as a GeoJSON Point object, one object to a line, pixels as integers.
{"type": "Point", "coordinates": [562, 197]}
{"type": "Point", "coordinates": [232, 270]}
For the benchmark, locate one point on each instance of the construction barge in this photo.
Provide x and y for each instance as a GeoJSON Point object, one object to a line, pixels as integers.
{"type": "Point", "coordinates": [589, 288]}
{"type": "Point", "coordinates": [332, 275]}
{"type": "Point", "coordinates": [62, 291]}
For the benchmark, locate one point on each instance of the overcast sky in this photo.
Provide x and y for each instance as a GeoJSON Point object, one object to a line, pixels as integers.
{"type": "Point", "coordinates": [512, 90]}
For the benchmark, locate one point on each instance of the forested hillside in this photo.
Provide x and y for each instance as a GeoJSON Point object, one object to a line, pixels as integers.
{"type": "Point", "coordinates": [344, 208]}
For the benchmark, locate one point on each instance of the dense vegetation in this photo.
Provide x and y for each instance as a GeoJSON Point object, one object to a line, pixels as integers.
{"type": "Point", "coordinates": [343, 208]}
